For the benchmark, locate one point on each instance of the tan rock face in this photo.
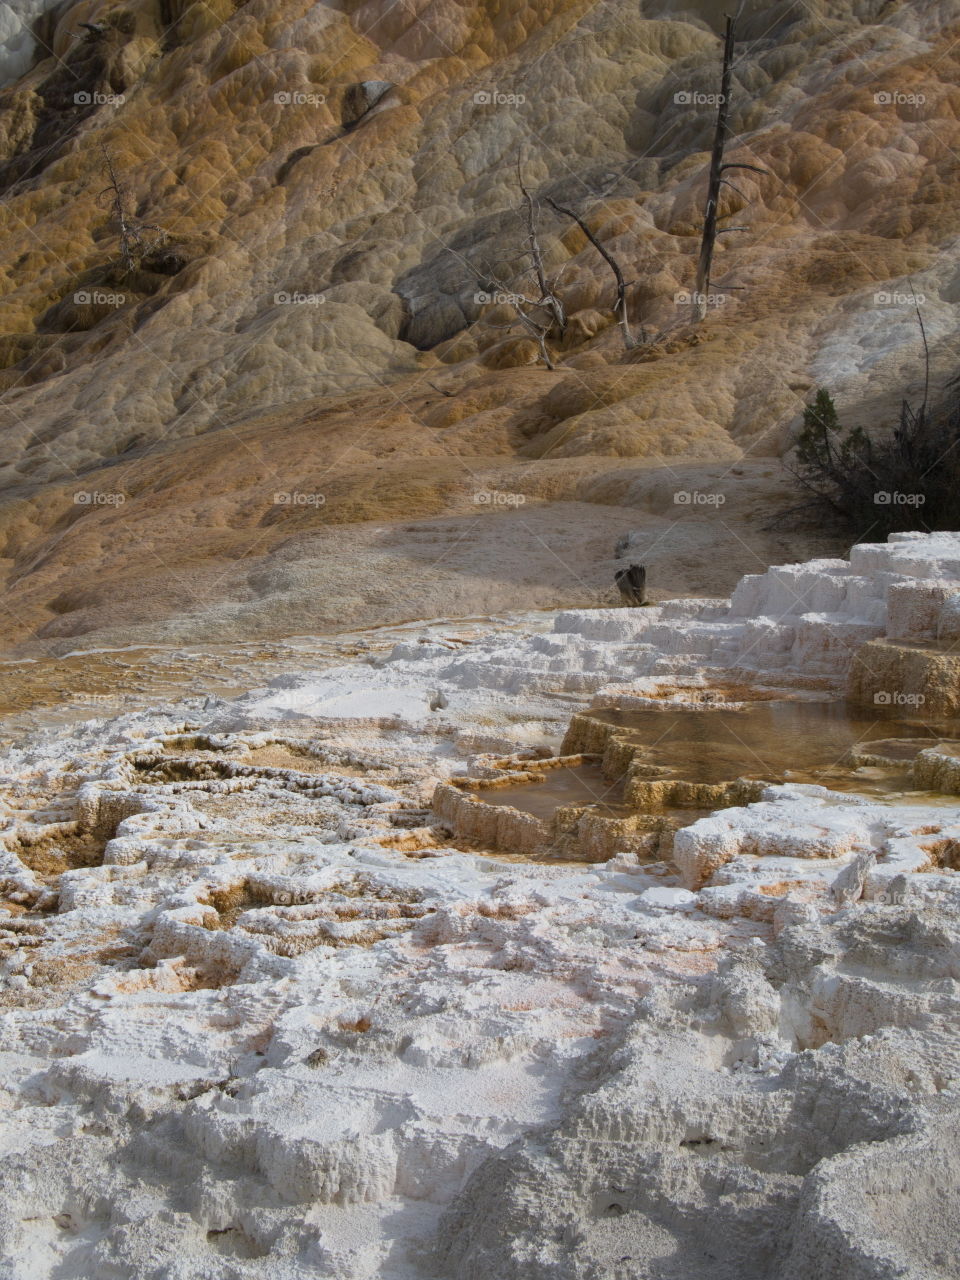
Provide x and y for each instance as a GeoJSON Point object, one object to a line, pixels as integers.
{"type": "Point", "coordinates": [330, 247]}
{"type": "Point", "coordinates": [938, 768]}
{"type": "Point", "coordinates": [924, 678]}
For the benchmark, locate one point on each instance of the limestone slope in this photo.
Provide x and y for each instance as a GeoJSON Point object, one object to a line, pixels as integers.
{"type": "Point", "coordinates": [339, 193]}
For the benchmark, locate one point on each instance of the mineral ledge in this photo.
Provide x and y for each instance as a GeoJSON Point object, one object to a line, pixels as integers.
{"type": "Point", "coordinates": [260, 1017]}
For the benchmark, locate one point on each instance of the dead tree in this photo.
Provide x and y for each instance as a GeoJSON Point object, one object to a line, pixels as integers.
{"type": "Point", "coordinates": [541, 315]}
{"type": "Point", "coordinates": [620, 306]}
{"type": "Point", "coordinates": [135, 238]}
{"type": "Point", "coordinates": [716, 179]}
{"type": "Point", "coordinates": [548, 296]}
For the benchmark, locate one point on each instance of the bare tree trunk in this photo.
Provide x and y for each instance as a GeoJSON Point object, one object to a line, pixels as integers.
{"type": "Point", "coordinates": [716, 179]}
{"type": "Point", "coordinates": [926, 352]}
{"type": "Point", "coordinates": [548, 297]}
{"type": "Point", "coordinates": [620, 307]}
{"type": "Point", "coordinates": [709, 238]}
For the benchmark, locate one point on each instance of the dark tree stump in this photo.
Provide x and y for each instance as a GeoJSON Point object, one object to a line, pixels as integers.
{"type": "Point", "coordinates": [632, 582]}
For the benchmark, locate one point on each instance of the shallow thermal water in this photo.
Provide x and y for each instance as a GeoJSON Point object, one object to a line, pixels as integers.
{"type": "Point", "coordinates": [773, 741]}
{"type": "Point", "coordinates": [776, 741]}
{"type": "Point", "coordinates": [578, 784]}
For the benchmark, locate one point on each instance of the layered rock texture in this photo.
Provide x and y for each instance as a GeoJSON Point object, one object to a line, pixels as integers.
{"type": "Point", "coordinates": [261, 1011]}
{"type": "Point", "coordinates": [314, 356]}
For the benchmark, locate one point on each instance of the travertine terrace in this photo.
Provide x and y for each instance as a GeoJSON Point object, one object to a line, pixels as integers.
{"type": "Point", "coordinates": [381, 897]}
{"type": "Point", "coordinates": [262, 1015]}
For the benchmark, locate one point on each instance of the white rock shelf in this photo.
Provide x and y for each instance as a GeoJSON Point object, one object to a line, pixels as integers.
{"type": "Point", "coordinates": [258, 1016]}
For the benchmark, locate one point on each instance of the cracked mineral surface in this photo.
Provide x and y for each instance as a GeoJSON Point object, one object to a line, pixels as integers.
{"type": "Point", "coordinates": [268, 1008]}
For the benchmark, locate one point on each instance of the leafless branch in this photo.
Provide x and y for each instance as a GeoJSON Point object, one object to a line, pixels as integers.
{"type": "Point", "coordinates": [620, 308]}
{"type": "Point", "coordinates": [926, 352]}
{"type": "Point", "coordinates": [548, 296]}
{"type": "Point", "coordinates": [754, 168]}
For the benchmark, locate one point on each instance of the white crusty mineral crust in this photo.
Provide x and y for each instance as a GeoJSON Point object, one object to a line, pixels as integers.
{"type": "Point", "coordinates": [269, 1022]}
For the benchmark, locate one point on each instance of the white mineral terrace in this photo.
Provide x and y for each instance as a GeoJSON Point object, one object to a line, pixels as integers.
{"type": "Point", "coordinates": [271, 1022]}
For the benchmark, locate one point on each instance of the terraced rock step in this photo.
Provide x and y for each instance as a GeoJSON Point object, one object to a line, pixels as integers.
{"type": "Point", "coordinates": [262, 1008]}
